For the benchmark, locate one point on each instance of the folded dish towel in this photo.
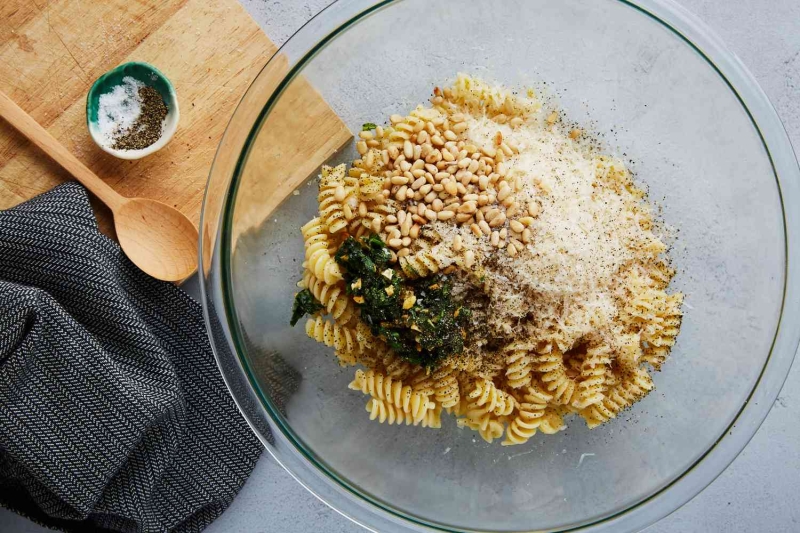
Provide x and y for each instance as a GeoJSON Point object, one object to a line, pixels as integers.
{"type": "Point", "coordinates": [113, 414]}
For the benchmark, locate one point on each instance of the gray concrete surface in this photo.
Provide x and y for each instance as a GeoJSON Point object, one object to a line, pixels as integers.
{"type": "Point", "coordinates": [760, 491]}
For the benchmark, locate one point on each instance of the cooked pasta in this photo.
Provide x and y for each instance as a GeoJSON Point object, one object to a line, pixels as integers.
{"type": "Point", "coordinates": [481, 258]}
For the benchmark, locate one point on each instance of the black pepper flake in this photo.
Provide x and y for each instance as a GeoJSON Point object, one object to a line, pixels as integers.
{"type": "Point", "coordinates": [148, 127]}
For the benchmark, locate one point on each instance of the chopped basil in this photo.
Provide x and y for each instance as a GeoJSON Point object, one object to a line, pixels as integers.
{"type": "Point", "coordinates": [418, 318]}
{"type": "Point", "coordinates": [304, 304]}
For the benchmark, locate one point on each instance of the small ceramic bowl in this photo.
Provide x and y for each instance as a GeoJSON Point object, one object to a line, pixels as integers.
{"type": "Point", "coordinates": [148, 75]}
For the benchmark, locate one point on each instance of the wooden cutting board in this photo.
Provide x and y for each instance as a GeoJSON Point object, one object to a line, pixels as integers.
{"type": "Point", "coordinates": [51, 51]}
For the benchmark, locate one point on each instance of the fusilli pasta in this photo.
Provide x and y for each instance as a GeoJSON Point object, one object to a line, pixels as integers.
{"type": "Point", "coordinates": [553, 253]}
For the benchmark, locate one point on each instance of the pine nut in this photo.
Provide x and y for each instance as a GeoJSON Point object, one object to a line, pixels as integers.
{"type": "Point", "coordinates": [504, 234]}
{"type": "Point", "coordinates": [511, 249]}
{"type": "Point", "coordinates": [437, 204]}
{"type": "Point", "coordinates": [479, 216]}
{"type": "Point", "coordinates": [491, 214]}
{"type": "Point", "coordinates": [468, 207]}
{"type": "Point", "coordinates": [484, 227]}
{"type": "Point", "coordinates": [464, 163]}
{"type": "Point", "coordinates": [498, 221]}
{"type": "Point", "coordinates": [425, 189]}
{"type": "Point", "coordinates": [339, 194]}
{"type": "Point", "coordinates": [422, 137]}
{"type": "Point", "coordinates": [461, 127]}
{"type": "Point", "coordinates": [495, 238]}
{"type": "Point", "coordinates": [445, 215]}
{"type": "Point", "coordinates": [406, 241]}
{"type": "Point", "coordinates": [447, 156]}
{"type": "Point", "coordinates": [526, 236]}
{"type": "Point", "coordinates": [414, 233]}
{"type": "Point", "coordinates": [362, 209]}
{"type": "Point", "coordinates": [405, 227]}
{"type": "Point", "coordinates": [395, 119]}
{"type": "Point", "coordinates": [401, 194]}
{"type": "Point", "coordinates": [505, 192]}
{"type": "Point", "coordinates": [473, 166]}
{"type": "Point", "coordinates": [392, 219]}
{"type": "Point", "coordinates": [361, 146]}
{"type": "Point", "coordinates": [533, 209]}
{"type": "Point", "coordinates": [516, 226]}
{"type": "Point", "coordinates": [418, 183]}
{"type": "Point", "coordinates": [398, 180]}
{"type": "Point", "coordinates": [376, 225]}
{"type": "Point", "coordinates": [483, 200]}
{"type": "Point", "coordinates": [404, 252]}
{"type": "Point", "coordinates": [421, 208]}
{"type": "Point", "coordinates": [450, 136]}
{"type": "Point", "coordinates": [476, 230]}
{"type": "Point", "coordinates": [348, 212]}
{"type": "Point", "coordinates": [437, 141]}
{"type": "Point", "coordinates": [462, 218]}
{"type": "Point", "coordinates": [396, 243]}
{"type": "Point", "coordinates": [457, 243]}
{"type": "Point", "coordinates": [469, 258]}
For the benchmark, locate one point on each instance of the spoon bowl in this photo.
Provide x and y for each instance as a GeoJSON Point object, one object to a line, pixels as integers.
{"type": "Point", "coordinates": [159, 239]}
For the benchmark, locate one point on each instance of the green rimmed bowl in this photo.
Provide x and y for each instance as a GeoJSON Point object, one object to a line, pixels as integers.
{"type": "Point", "coordinates": [148, 75]}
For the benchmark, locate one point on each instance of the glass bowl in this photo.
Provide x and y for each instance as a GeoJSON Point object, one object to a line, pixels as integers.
{"type": "Point", "coordinates": [663, 92]}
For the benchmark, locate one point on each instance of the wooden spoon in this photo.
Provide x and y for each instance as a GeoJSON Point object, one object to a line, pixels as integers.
{"type": "Point", "coordinates": [159, 239]}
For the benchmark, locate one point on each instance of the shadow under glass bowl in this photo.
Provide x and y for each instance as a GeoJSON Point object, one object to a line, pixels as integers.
{"type": "Point", "coordinates": [664, 92]}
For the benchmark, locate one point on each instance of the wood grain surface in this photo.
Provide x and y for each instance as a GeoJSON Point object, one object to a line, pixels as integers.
{"type": "Point", "coordinates": [52, 51]}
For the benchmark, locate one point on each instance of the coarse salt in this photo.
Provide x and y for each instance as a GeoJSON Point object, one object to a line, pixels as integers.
{"type": "Point", "coordinates": [119, 110]}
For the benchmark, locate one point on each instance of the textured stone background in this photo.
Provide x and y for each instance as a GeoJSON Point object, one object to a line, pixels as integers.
{"type": "Point", "coordinates": [760, 491]}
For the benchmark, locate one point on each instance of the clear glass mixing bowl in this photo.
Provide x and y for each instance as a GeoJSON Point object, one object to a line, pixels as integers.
{"type": "Point", "coordinates": [664, 92]}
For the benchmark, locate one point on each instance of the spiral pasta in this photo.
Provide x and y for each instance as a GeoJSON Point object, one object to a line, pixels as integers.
{"type": "Point", "coordinates": [319, 260]}
{"type": "Point", "coordinates": [529, 417]}
{"type": "Point", "coordinates": [332, 297]}
{"type": "Point", "coordinates": [338, 198]}
{"type": "Point", "coordinates": [559, 322]}
{"type": "Point", "coordinates": [446, 387]}
{"type": "Point", "coordinates": [631, 388]}
{"type": "Point", "coordinates": [384, 411]}
{"type": "Point", "coordinates": [423, 263]}
{"type": "Point", "coordinates": [331, 334]}
{"type": "Point", "coordinates": [553, 375]}
{"type": "Point", "coordinates": [519, 364]}
{"type": "Point", "coordinates": [592, 379]}
{"type": "Point", "coordinates": [412, 402]}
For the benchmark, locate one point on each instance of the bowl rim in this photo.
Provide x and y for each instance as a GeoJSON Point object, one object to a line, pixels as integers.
{"type": "Point", "coordinates": [367, 510]}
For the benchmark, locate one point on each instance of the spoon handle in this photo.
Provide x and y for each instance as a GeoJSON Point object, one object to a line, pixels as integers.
{"type": "Point", "coordinates": [39, 136]}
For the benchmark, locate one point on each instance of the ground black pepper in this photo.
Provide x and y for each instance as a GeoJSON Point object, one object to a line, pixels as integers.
{"type": "Point", "coordinates": [148, 127]}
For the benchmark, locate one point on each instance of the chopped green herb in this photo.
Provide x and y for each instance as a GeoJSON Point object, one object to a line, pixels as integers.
{"type": "Point", "coordinates": [418, 319]}
{"type": "Point", "coordinates": [368, 126]}
{"type": "Point", "coordinates": [304, 304]}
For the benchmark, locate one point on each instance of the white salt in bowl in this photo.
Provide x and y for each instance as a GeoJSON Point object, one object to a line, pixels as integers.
{"type": "Point", "coordinates": [147, 74]}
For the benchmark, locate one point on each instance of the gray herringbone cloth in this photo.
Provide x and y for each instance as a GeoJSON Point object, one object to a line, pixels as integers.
{"type": "Point", "coordinates": [113, 415]}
